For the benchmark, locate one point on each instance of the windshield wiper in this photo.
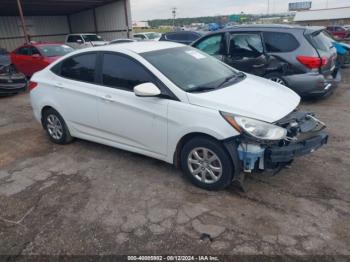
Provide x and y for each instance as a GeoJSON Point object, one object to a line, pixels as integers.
{"type": "Point", "coordinates": [201, 89]}
{"type": "Point", "coordinates": [232, 77]}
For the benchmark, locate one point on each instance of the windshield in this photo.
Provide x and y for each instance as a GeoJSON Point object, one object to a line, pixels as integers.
{"type": "Point", "coordinates": [55, 50]}
{"type": "Point", "coordinates": [153, 35]}
{"type": "Point", "coordinates": [92, 38]}
{"type": "Point", "coordinates": [191, 69]}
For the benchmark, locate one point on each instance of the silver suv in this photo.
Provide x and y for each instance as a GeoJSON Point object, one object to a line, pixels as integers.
{"type": "Point", "coordinates": [302, 58]}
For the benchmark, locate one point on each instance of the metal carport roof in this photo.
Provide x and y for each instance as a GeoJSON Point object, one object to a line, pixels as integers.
{"type": "Point", "coordinates": [48, 7]}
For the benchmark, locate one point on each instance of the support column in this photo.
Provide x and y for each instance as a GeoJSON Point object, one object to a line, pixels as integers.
{"type": "Point", "coordinates": [26, 37]}
{"type": "Point", "coordinates": [126, 17]}
{"type": "Point", "coordinates": [95, 21]}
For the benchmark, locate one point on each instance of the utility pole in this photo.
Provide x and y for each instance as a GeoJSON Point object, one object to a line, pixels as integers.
{"type": "Point", "coordinates": [268, 6]}
{"type": "Point", "coordinates": [174, 15]}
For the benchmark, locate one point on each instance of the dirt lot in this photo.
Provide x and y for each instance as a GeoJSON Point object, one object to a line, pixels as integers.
{"type": "Point", "coordinates": [86, 198]}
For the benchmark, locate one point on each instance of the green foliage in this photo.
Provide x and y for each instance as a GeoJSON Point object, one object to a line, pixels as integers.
{"type": "Point", "coordinates": [186, 21]}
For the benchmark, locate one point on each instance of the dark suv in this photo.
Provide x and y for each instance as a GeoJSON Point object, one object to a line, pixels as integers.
{"type": "Point", "coordinates": [302, 58]}
{"type": "Point", "coordinates": [182, 37]}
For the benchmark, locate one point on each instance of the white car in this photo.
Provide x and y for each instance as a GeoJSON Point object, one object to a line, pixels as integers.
{"type": "Point", "coordinates": [148, 36]}
{"type": "Point", "coordinates": [177, 104]}
{"type": "Point", "coordinates": [79, 41]}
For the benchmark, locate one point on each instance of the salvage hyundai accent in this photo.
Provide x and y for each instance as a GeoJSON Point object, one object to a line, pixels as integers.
{"type": "Point", "coordinates": [176, 104]}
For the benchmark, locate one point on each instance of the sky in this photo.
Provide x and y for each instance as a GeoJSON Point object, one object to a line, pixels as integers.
{"type": "Point", "coordinates": [154, 9]}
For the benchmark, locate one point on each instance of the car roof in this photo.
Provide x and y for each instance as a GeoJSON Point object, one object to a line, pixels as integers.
{"type": "Point", "coordinates": [41, 44]}
{"type": "Point", "coordinates": [49, 43]}
{"type": "Point", "coordinates": [137, 47]}
{"type": "Point", "coordinates": [185, 32]}
{"type": "Point", "coordinates": [83, 34]}
{"type": "Point", "coordinates": [273, 26]}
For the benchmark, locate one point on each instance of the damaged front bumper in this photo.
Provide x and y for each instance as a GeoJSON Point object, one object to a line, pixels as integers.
{"type": "Point", "coordinates": [285, 154]}
{"type": "Point", "coordinates": [304, 136]}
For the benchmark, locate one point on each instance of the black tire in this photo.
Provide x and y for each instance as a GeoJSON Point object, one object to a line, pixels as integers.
{"type": "Point", "coordinates": [65, 137]}
{"type": "Point", "coordinates": [276, 77]}
{"type": "Point", "coordinates": [215, 147]}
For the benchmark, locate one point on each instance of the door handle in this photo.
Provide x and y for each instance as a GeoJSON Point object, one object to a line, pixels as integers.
{"type": "Point", "coordinates": [59, 85]}
{"type": "Point", "coordinates": [107, 98]}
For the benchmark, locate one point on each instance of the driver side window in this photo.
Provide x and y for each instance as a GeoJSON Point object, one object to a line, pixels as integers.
{"type": "Point", "coordinates": [212, 45]}
{"type": "Point", "coordinates": [246, 46]}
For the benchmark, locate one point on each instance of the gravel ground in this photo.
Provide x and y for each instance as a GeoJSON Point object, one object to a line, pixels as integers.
{"type": "Point", "coordinates": [86, 198]}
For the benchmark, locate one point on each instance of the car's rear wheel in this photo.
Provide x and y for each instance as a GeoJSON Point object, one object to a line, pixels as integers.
{"type": "Point", "coordinates": [56, 127]}
{"type": "Point", "coordinates": [207, 164]}
{"type": "Point", "coordinates": [276, 77]}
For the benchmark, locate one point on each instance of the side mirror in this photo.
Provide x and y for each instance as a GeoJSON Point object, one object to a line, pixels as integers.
{"type": "Point", "coordinates": [147, 90]}
{"type": "Point", "coordinates": [36, 55]}
{"type": "Point", "coordinates": [79, 41]}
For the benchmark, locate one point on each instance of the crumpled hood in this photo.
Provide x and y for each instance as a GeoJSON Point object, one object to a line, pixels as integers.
{"type": "Point", "coordinates": [253, 97]}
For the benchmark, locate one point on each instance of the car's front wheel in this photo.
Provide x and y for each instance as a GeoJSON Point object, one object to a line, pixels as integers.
{"type": "Point", "coordinates": [207, 164]}
{"type": "Point", "coordinates": [55, 127]}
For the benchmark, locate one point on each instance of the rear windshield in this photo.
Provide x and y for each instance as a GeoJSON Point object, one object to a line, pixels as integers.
{"type": "Point", "coordinates": [55, 50]}
{"type": "Point", "coordinates": [321, 41]}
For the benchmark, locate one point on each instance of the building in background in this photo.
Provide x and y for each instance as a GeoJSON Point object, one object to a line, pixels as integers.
{"type": "Point", "coordinates": [275, 20]}
{"type": "Point", "coordinates": [53, 20]}
{"type": "Point", "coordinates": [324, 17]}
{"type": "Point", "coordinates": [299, 6]}
{"type": "Point", "coordinates": [141, 25]}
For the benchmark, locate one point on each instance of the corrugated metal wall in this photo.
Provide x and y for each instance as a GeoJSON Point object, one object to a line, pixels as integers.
{"type": "Point", "coordinates": [82, 22]}
{"type": "Point", "coordinates": [44, 28]}
{"type": "Point", "coordinates": [110, 20]}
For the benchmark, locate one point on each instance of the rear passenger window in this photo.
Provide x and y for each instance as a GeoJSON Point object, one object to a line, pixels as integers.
{"type": "Point", "coordinates": [121, 72]}
{"type": "Point", "coordinates": [245, 45]}
{"type": "Point", "coordinates": [321, 40]}
{"type": "Point", "coordinates": [280, 42]}
{"type": "Point", "coordinates": [81, 68]}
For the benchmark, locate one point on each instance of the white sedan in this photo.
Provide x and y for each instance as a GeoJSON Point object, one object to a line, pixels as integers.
{"type": "Point", "coordinates": [177, 104]}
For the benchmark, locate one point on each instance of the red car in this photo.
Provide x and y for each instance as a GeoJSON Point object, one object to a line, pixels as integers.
{"type": "Point", "coordinates": [339, 32]}
{"type": "Point", "coordinates": [33, 57]}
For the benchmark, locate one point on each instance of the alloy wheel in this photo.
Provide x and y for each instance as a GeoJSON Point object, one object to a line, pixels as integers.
{"type": "Point", "coordinates": [278, 80]}
{"type": "Point", "coordinates": [204, 165]}
{"type": "Point", "coordinates": [54, 127]}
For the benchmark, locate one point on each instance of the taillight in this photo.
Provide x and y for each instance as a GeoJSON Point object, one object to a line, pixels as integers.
{"type": "Point", "coordinates": [312, 62]}
{"type": "Point", "coordinates": [32, 85]}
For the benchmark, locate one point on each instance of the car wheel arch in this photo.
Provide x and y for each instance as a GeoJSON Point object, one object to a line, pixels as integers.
{"type": "Point", "coordinates": [43, 110]}
{"type": "Point", "coordinates": [184, 139]}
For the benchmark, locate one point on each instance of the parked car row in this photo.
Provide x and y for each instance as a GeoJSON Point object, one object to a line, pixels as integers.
{"type": "Point", "coordinates": [339, 32]}
{"type": "Point", "coordinates": [302, 58]}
